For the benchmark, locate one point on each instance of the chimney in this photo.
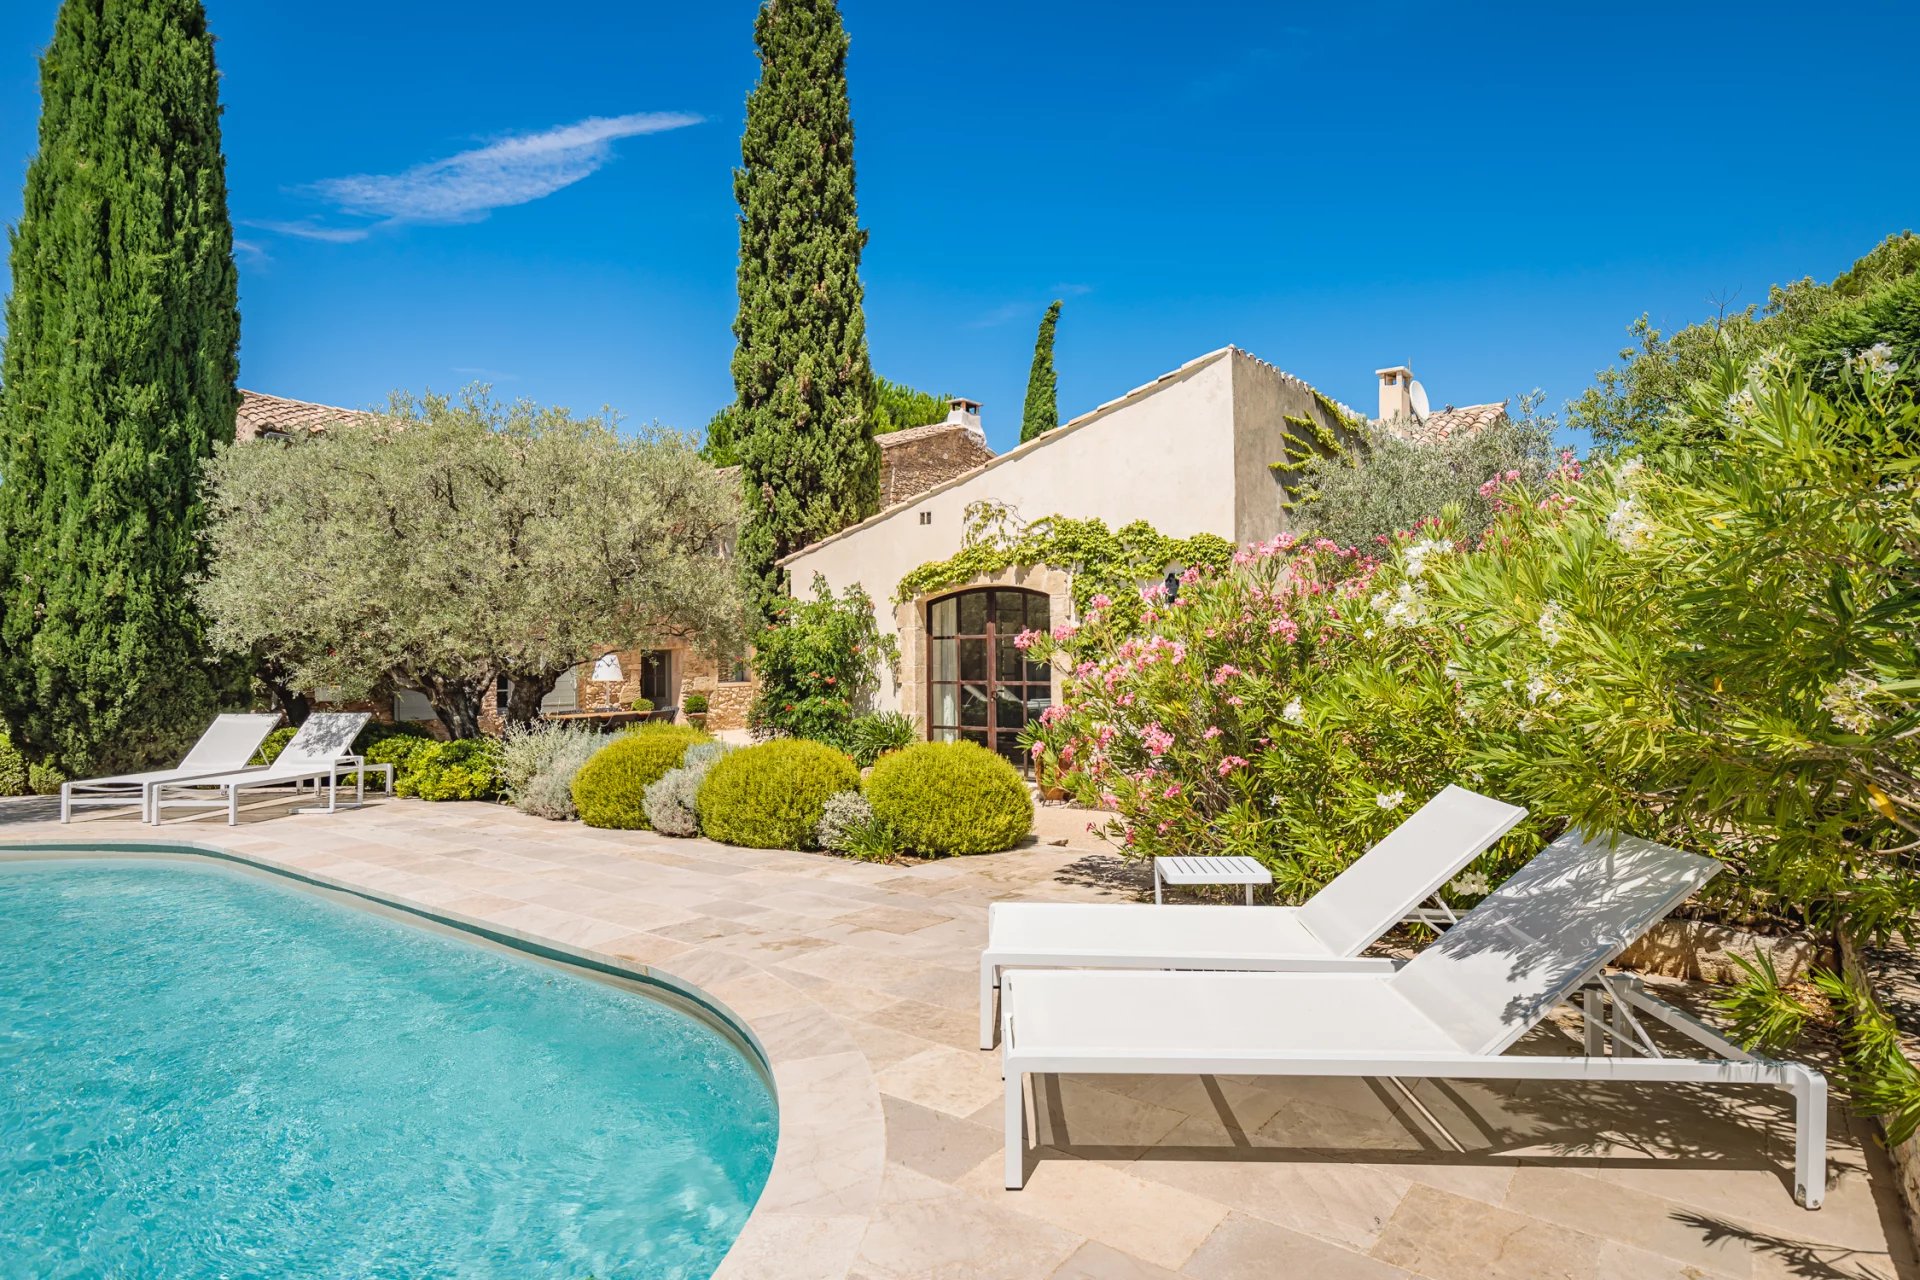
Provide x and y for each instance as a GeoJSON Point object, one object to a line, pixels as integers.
{"type": "Point", "coordinates": [967, 413]}
{"type": "Point", "coordinates": [1396, 392]}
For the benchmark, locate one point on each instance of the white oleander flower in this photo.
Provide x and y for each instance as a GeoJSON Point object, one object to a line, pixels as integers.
{"type": "Point", "coordinates": [1470, 884]}
{"type": "Point", "coordinates": [1551, 619]}
{"type": "Point", "coordinates": [1293, 712]}
{"type": "Point", "coordinates": [1390, 799]}
{"type": "Point", "coordinates": [1628, 527]}
{"type": "Point", "coordinates": [1848, 703]}
{"type": "Point", "coordinates": [1875, 361]}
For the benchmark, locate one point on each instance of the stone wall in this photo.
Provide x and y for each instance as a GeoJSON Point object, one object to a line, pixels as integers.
{"type": "Point", "coordinates": [915, 460]}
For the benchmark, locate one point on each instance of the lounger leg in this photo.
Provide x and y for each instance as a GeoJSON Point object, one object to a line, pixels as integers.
{"type": "Point", "coordinates": [1593, 1004]}
{"type": "Point", "coordinates": [1809, 1136]}
{"type": "Point", "coordinates": [989, 973]}
{"type": "Point", "coordinates": [233, 806]}
{"type": "Point", "coordinates": [333, 791]}
{"type": "Point", "coordinates": [66, 802]}
{"type": "Point", "coordinates": [1016, 1131]}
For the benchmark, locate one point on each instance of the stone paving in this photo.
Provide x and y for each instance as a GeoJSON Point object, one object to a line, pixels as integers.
{"type": "Point", "coordinates": [860, 981]}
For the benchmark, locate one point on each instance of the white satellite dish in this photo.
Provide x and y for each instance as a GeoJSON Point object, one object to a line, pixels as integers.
{"type": "Point", "coordinates": [1418, 394]}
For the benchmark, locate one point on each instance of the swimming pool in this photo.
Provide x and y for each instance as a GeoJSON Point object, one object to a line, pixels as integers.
{"type": "Point", "coordinates": [209, 1073]}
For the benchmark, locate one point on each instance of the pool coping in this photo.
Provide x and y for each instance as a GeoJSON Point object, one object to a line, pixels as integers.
{"type": "Point", "coordinates": [812, 1213]}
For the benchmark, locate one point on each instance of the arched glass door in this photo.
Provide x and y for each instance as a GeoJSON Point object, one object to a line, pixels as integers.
{"type": "Point", "coordinates": [981, 688]}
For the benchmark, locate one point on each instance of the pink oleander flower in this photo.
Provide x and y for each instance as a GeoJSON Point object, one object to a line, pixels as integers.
{"type": "Point", "coordinates": [1158, 740]}
{"type": "Point", "coordinates": [1213, 731]}
{"type": "Point", "coordinates": [1191, 576]}
{"type": "Point", "coordinates": [1172, 792]}
{"type": "Point", "coordinates": [1231, 763]}
{"type": "Point", "coordinates": [1025, 639]}
{"type": "Point", "coordinates": [1286, 628]}
{"type": "Point", "coordinates": [1108, 800]}
{"type": "Point", "coordinates": [1164, 827]}
{"type": "Point", "coordinates": [1053, 715]}
{"type": "Point", "coordinates": [1064, 630]}
{"type": "Point", "coordinates": [1236, 701]}
{"type": "Point", "coordinates": [1158, 591]}
{"type": "Point", "coordinates": [1226, 672]}
{"type": "Point", "coordinates": [1036, 749]}
{"type": "Point", "coordinates": [1102, 601]}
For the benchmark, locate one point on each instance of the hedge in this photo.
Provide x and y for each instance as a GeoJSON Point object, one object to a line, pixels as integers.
{"type": "Point", "coordinates": [772, 796]}
{"type": "Point", "coordinates": [945, 798]}
{"type": "Point", "coordinates": [610, 789]}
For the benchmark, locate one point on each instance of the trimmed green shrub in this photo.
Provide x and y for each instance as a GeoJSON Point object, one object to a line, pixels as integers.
{"type": "Point", "coordinates": [694, 704]}
{"type": "Point", "coordinates": [610, 789]}
{"type": "Point", "coordinates": [464, 769]}
{"type": "Point", "coordinates": [273, 744]}
{"type": "Point", "coordinates": [642, 705]}
{"type": "Point", "coordinates": [945, 798]}
{"type": "Point", "coordinates": [404, 751]}
{"type": "Point", "coordinates": [772, 796]}
{"type": "Point", "coordinates": [44, 779]}
{"type": "Point", "coordinates": [13, 768]}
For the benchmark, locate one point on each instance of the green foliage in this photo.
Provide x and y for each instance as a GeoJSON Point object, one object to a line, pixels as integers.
{"type": "Point", "coordinates": [772, 796]}
{"type": "Point", "coordinates": [1716, 648]}
{"type": "Point", "coordinates": [13, 768]}
{"type": "Point", "coordinates": [848, 825]}
{"type": "Point", "coordinates": [463, 541]}
{"type": "Point", "coordinates": [818, 665]}
{"type": "Point", "coordinates": [673, 803]}
{"type": "Point", "coordinates": [803, 384]}
{"type": "Point", "coordinates": [869, 737]}
{"type": "Point", "coordinates": [1879, 333]}
{"type": "Point", "coordinates": [1646, 394]}
{"type": "Point", "coordinates": [463, 769]}
{"type": "Point", "coordinates": [642, 705]}
{"type": "Point", "coordinates": [720, 443]}
{"type": "Point", "coordinates": [538, 763]}
{"type": "Point", "coordinates": [1877, 1073]}
{"type": "Point", "coordinates": [897, 407]}
{"type": "Point", "coordinates": [1765, 1016]}
{"type": "Point", "coordinates": [45, 779]}
{"type": "Point", "coordinates": [694, 704]}
{"type": "Point", "coordinates": [116, 382]}
{"type": "Point", "coordinates": [1041, 413]}
{"type": "Point", "coordinates": [273, 744]}
{"type": "Point", "coordinates": [944, 798]}
{"type": "Point", "coordinates": [610, 789]}
{"type": "Point", "coordinates": [1388, 483]}
{"type": "Point", "coordinates": [1103, 562]}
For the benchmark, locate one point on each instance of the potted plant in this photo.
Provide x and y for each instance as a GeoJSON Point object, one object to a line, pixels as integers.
{"type": "Point", "coordinates": [694, 706]}
{"type": "Point", "coordinates": [643, 705]}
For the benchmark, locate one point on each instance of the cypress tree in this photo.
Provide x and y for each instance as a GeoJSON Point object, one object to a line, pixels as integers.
{"type": "Point", "coordinates": [116, 380]}
{"type": "Point", "coordinates": [803, 416]}
{"type": "Point", "coordinates": [1042, 411]}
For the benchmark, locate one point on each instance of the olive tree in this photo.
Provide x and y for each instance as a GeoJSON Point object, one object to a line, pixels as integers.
{"type": "Point", "coordinates": [452, 542]}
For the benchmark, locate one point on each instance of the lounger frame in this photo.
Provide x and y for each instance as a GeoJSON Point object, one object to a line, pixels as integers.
{"type": "Point", "coordinates": [1617, 1046]}
{"type": "Point", "coordinates": [230, 788]}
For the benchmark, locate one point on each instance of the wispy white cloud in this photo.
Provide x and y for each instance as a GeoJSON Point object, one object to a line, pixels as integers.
{"type": "Point", "coordinates": [251, 250]}
{"type": "Point", "coordinates": [311, 230]}
{"type": "Point", "coordinates": [465, 187]}
{"type": "Point", "coordinates": [1070, 290]}
{"type": "Point", "coordinates": [513, 170]}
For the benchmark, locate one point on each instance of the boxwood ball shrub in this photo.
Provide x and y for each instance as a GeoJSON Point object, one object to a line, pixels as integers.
{"type": "Point", "coordinates": [945, 798]}
{"type": "Point", "coordinates": [611, 788]}
{"type": "Point", "coordinates": [464, 769]}
{"type": "Point", "coordinates": [772, 796]}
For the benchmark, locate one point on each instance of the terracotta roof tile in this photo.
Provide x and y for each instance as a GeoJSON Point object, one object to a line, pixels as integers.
{"type": "Point", "coordinates": [1448, 422]}
{"type": "Point", "coordinates": [262, 414]}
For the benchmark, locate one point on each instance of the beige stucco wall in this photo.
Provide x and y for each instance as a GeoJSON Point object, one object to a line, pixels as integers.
{"type": "Point", "coordinates": [1188, 454]}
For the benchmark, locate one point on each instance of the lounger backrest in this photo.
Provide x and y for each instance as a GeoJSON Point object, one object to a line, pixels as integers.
{"type": "Point", "coordinates": [326, 736]}
{"type": "Point", "coordinates": [229, 742]}
{"type": "Point", "coordinates": [1406, 868]}
{"type": "Point", "coordinates": [1538, 936]}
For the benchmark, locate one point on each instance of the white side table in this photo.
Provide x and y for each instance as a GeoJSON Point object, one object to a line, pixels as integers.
{"type": "Point", "coordinates": [1234, 870]}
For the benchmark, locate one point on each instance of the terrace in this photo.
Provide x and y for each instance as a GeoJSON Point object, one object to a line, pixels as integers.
{"type": "Point", "coordinates": [859, 981]}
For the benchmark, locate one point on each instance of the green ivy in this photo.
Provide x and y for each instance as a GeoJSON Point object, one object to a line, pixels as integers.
{"type": "Point", "coordinates": [1103, 561]}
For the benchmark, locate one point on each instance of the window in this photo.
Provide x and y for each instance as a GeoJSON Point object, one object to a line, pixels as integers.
{"type": "Point", "coordinates": [736, 669]}
{"type": "Point", "coordinates": [926, 517]}
{"type": "Point", "coordinates": [502, 694]}
{"type": "Point", "coordinates": [980, 686]}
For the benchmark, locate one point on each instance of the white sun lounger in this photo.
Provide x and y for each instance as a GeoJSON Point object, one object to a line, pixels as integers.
{"type": "Point", "coordinates": [1382, 888]}
{"type": "Point", "coordinates": [225, 747]}
{"type": "Point", "coordinates": [320, 752]}
{"type": "Point", "coordinates": [1448, 1014]}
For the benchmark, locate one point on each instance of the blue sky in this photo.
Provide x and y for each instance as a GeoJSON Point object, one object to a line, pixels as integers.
{"type": "Point", "coordinates": [539, 196]}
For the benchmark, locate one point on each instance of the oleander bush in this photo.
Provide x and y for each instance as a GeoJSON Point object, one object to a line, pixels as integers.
{"type": "Point", "coordinates": [772, 796]}
{"type": "Point", "coordinates": [945, 798]}
{"type": "Point", "coordinates": [13, 768]}
{"type": "Point", "coordinates": [611, 787]}
{"type": "Point", "coordinates": [464, 769]}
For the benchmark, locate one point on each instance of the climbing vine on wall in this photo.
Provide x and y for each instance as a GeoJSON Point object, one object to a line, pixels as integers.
{"type": "Point", "coordinates": [1309, 436]}
{"type": "Point", "coordinates": [1103, 561]}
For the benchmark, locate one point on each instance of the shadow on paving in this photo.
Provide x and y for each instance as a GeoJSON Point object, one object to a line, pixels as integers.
{"type": "Point", "coordinates": [19, 810]}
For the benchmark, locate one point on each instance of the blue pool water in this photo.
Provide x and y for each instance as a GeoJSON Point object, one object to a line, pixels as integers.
{"type": "Point", "coordinates": [204, 1073]}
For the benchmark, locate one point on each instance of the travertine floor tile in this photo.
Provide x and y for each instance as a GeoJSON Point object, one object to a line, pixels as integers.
{"type": "Point", "coordinates": [1449, 1237]}
{"type": "Point", "coordinates": [1248, 1249]}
